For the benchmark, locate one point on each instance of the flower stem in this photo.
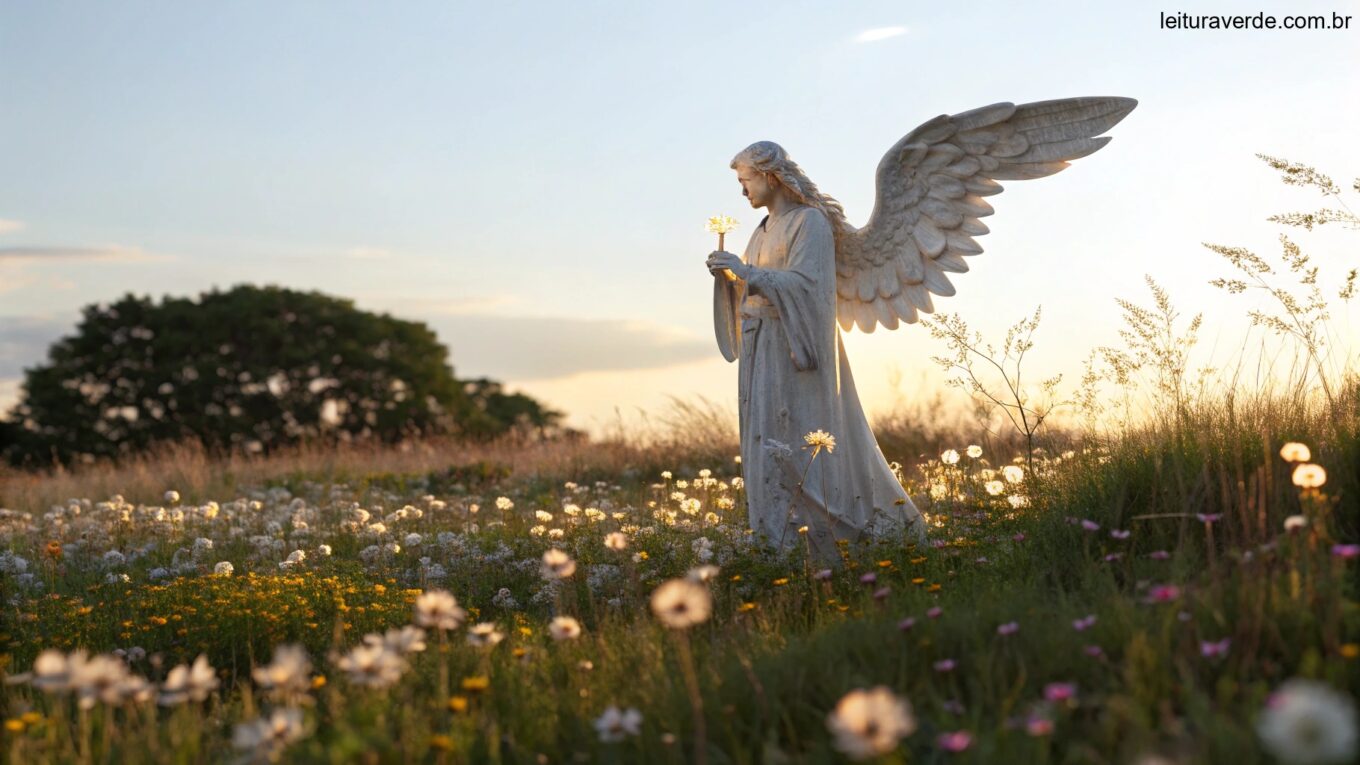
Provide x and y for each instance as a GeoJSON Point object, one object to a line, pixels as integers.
{"type": "Point", "coordinates": [696, 700]}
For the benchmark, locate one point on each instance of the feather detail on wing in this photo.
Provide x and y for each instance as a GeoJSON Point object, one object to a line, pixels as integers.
{"type": "Point", "coordinates": [931, 194]}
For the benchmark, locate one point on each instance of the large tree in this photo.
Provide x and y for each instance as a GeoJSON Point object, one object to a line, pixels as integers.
{"type": "Point", "coordinates": [494, 411]}
{"type": "Point", "coordinates": [251, 368]}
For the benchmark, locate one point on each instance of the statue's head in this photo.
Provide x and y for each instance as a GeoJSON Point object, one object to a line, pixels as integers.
{"type": "Point", "coordinates": [765, 170]}
{"type": "Point", "coordinates": [758, 169]}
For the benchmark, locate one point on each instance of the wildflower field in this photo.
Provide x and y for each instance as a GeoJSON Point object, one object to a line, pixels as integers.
{"type": "Point", "coordinates": [1178, 587]}
{"type": "Point", "coordinates": [1188, 595]}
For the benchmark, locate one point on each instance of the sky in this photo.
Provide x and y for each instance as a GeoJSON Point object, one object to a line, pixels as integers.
{"type": "Point", "coordinates": [531, 179]}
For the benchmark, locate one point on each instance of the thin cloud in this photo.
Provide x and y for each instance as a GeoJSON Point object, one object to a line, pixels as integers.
{"type": "Point", "coordinates": [116, 253]}
{"type": "Point", "coordinates": [13, 278]}
{"type": "Point", "coordinates": [400, 305]}
{"type": "Point", "coordinates": [368, 253]}
{"type": "Point", "coordinates": [879, 33]}
{"type": "Point", "coordinates": [7, 226]}
{"type": "Point", "coordinates": [516, 348]}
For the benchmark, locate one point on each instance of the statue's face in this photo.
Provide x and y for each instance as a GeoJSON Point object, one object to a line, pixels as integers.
{"type": "Point", "coordinates": [756, 186]}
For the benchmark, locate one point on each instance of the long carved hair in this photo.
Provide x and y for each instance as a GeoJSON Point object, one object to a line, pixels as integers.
{"type": "Point", "coordinates": [770, 157]}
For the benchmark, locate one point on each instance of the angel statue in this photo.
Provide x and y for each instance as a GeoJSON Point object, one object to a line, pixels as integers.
{"type": "Point", "coordinates": [810, 463]}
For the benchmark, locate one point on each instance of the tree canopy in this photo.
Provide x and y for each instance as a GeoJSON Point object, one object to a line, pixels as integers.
{"type": "Point", "coordinates": [249, 369]}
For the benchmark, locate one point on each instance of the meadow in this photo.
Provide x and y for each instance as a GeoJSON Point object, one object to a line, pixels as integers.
{"type": "Point", "coordinates": [1179, 587]}
{"type": "Point", "coordinates": [1122, 601]}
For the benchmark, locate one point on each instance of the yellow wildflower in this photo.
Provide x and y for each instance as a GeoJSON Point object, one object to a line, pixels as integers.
{"type": "Point", "coordinates": [476, 683]}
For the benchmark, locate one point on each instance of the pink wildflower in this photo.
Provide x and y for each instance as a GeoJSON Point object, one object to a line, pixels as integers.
{"type": "Point", "coordinates": [1164, 593]}
{"type": "Point", "coordinates": [1038, 726]}
{"type": "Point", "coordinates": [957, 741]}
{"type": "Point", "coordinates": [1056, 692]}
{"type": "Point", "coordinates": [1213, 650]}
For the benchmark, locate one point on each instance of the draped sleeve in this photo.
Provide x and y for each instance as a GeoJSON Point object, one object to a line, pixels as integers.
{"type": "Point", "coordinates": [796, 290]}
{"type": "Point", "coordinates": [727, 297]}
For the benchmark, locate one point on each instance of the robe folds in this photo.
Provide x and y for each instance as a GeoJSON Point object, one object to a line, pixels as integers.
{"type": "Point", "coordinates": [793, 379]}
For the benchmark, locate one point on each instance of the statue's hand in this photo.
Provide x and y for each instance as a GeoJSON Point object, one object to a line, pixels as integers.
{"type": "Point", "coordinates": [719, 260]}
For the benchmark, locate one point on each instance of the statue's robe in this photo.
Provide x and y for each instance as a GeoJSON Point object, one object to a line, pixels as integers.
{"type": "Point", "coordinates": [794, 379]}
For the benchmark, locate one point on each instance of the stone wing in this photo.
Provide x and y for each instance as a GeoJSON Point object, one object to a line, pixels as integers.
{"type": "Point", "coordinates": [930, 198]}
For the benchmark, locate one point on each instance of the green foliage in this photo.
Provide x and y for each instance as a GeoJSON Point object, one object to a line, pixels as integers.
{"type": "Point", "coordinates": [233, 619]}
{"type": "Point", "coordinates": [493, 411]}
{"type": "Point", "coordinates": [250, 369]}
